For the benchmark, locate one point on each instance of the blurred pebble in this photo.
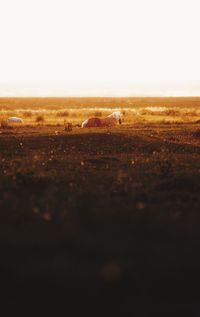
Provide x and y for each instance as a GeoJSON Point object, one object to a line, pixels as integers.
{"type": "Point", "coordinates": [140, 205]}
{"type": "Point", "coordinates": [46, 216]}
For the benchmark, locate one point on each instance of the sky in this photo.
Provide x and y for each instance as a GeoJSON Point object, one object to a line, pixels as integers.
{"type": "Point", "coordinates": [99, 47]}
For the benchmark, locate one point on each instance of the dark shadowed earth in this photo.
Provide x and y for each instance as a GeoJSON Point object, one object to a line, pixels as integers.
{"type": "Point", "coordinates": [102, 222]}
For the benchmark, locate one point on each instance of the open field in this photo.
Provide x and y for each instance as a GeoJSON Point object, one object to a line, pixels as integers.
{"type": "Point", "coordinates": [57, 111]}
{"type": "Point", "coordinates": [103, 220]}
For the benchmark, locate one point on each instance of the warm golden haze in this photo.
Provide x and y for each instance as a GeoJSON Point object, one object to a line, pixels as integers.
{"type": "Point", "coordinates": [59, 111]}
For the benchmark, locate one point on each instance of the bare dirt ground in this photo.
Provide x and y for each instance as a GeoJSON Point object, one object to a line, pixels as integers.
{"type": "Point", "coordinates": [102, 221]}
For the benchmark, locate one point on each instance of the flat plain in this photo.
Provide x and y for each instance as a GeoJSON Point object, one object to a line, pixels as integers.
{"type": "Point", "coordinates": [103, 220]}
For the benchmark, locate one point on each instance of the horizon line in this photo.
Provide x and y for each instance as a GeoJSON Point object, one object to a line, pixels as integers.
{"type": "Point", "coordinates": [100, 96]}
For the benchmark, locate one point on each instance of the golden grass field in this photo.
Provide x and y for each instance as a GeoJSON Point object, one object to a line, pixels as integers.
{"type": "Point", "coordinates": [58, 111]}
{"type": "Point", "coordinates": [103, 219]}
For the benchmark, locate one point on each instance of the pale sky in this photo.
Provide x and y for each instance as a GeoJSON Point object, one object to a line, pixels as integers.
{"type": "Point", "coordinates": [99, 47]}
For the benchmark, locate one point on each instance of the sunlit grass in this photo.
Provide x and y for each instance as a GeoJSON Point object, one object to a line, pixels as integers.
{"type": "Point", "coordinates": [52, 111]}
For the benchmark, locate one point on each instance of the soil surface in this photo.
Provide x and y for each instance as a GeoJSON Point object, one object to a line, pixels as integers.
{"type": "Point", "coordinates": [103, 222]}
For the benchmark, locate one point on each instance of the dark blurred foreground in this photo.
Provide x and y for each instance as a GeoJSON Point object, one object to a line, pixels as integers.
{"type": "Point", "coordinates": [101, 223]}
{"type": "Point", "coordinates": [142, 290]}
